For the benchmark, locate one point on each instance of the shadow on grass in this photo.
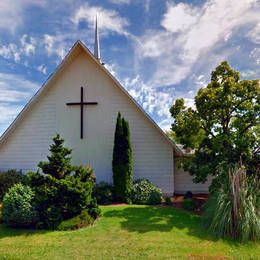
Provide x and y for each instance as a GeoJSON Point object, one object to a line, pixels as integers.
{"type": "Point", "coordinates": [162, 219]}
{"type": "Point", "coordinates": [13, 232]}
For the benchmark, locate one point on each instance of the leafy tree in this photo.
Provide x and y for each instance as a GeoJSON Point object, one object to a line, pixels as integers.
{"type": "Point", "coordinates": [224, 126]}
{"type": "Point", "coordinates": [122, 160]}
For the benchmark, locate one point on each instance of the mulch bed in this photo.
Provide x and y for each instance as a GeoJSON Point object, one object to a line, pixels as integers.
{"type": "Point", "coordinates": [200, 200]}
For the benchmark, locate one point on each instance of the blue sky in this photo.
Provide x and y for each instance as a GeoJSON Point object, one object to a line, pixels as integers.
{"type": "Point", "coordinates": [159, 50]}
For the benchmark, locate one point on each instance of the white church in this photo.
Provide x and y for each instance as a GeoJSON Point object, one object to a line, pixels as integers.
{"type": "Point", "coordinates": [80, 101]}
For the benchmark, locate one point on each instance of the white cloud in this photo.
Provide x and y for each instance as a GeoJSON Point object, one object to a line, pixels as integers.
{"type": "Point", "coordinates": [15, 91]}
{"type": "Point", "coordinates": [108, 20]}
{"type": "Point", "coordinates": [111, 68]}
{"type": "Point", "coordinates": [12, 13]}
{"type": "Point", "coordinates": [28, 44]}
{"type": "Point", "coordinates": [8, 114]}
{"type": "Point", "coordinates": [254, 34]}
{"type": "Point", "coordinates": [42, 68]}
{"type": "Point", "coordinates": [54, 45]}
{"type": "Point", "coordinates": [147, 4]}
{"type": "Point", "coordinates": [248, 73]}
{"type": "Point", "coordinates": [180, 17]}
{"type": "Point", "coordinates": [190, 35]}
{"type": "Point", "coordinates": [156, 103]}
{"type": "Point", "coordinates": [255, 54]}
{"type": "Point", "coordinates": [13, 81]}
{"type": "Point", "coordinates": [119, 2]}
{"type": "Point", "coordinates": [10, 51]}
{"type": "Point", "coordinates": [14, 52]}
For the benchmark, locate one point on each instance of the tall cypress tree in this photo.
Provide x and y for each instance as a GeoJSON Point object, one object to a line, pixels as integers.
{"type": "Point", "coordinates": [117, 163]}
{"type": "Point", "coordinates": [122, 160]}
{"type": "Point", "coordinates": [127, 154]}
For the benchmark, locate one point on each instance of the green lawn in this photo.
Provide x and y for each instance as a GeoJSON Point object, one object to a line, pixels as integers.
{"type": "Point", "coordinates": [132, 232]}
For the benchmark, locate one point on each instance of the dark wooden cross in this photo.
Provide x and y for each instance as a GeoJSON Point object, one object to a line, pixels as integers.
{"type": "Point", "coordinates": [81, 104]}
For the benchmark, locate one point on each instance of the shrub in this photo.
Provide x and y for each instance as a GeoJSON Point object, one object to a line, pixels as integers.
{"type": "Point", "coordinates": [103, 192]}
{"type": "Point", "coordinates": [145, 192]}
{"type": "Point", "coordinates": [1, 214]}
{"type": "Point", "coordinates": [234, 210]}
{"type": "Point", "coordinates": [189, 204]}
{"type": "Point", "coordinates": [80, 221]}
{"type": "Point", "coordinates": [18, 210]}
{"type": "Point", "coordinates": [93, 209]}
{"type": "Point", "coordinates": [8, 179]}
{"type": "Point", "coordinates": [63, 191]}
{"type": "Point", "coordinates": [168, 201]}
{"type": "Point", "coordinates": [188, 195]}
{"type": "Point", "coordinates": [122, 160]}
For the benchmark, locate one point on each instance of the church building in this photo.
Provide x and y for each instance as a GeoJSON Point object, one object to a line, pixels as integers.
{"type": "Point", "coordinates": [80, 101]}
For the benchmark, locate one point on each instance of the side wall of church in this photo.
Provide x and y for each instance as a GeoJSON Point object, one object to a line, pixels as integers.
{"type": "Point", "coordinates": [183, 182]}
{"type": "Point", "coordinates": [29, 141]}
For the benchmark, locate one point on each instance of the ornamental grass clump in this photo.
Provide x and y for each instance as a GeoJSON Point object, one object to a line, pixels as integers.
{"type": "Point", "coordinates": [234, 209]}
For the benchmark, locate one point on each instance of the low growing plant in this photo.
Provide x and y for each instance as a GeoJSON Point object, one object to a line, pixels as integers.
{"type": "Point", "coordinates": [189, 204]}
{"type": "Point", "coordinates": [18, 208]}
{"type": "Point", "coordinates": [80, 221]}
{"type": "Point", "coordinates": [104, 193]}
{"type": "Point", "coordinates": [234, 209]}
{"type": "Point", "coordinates": [145, 192]}
{"type": "Point", "coordinates": [188, 195]}
{"type": "Point", "coordinates": [168, 201]}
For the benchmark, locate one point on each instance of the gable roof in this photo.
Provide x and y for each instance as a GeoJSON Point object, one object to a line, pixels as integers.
{"type": "Point", "coordinates": [78, 45]}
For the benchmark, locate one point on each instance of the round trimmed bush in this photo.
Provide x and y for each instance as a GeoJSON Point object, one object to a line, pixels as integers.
{"type": "Point", "coordinates": [18, 210]}
{"type": "Point", "coordinates": [145, 192]}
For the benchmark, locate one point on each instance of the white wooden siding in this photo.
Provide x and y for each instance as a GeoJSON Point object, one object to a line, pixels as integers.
{"type": "Point", "coordinates": [183, 182]}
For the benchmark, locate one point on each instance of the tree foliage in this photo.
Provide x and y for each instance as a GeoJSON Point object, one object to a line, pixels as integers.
{"type": "Point", "coordinates": [122, 160]}
{"type": "Point", "coordinates": [224, 125]}
{"type": "Point", "coordinates": [58, 164]}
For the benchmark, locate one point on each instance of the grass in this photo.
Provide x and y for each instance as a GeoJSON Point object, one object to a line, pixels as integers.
{"type": "Point", "coordinates": [131, 232]}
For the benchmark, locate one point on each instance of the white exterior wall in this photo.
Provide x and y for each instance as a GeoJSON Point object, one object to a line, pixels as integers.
{"type": "Point", "coordinates": [29, 141]}
{"type": "Point", "coordinates": [183, 182]}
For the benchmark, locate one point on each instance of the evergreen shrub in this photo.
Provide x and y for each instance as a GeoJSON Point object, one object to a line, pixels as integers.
{"type": "Point", "coordinates": [104, 193]}
{"type": "Point", "coordinates": [8, 179]}
{"type": "Point", "coordinates": [62, 191]}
